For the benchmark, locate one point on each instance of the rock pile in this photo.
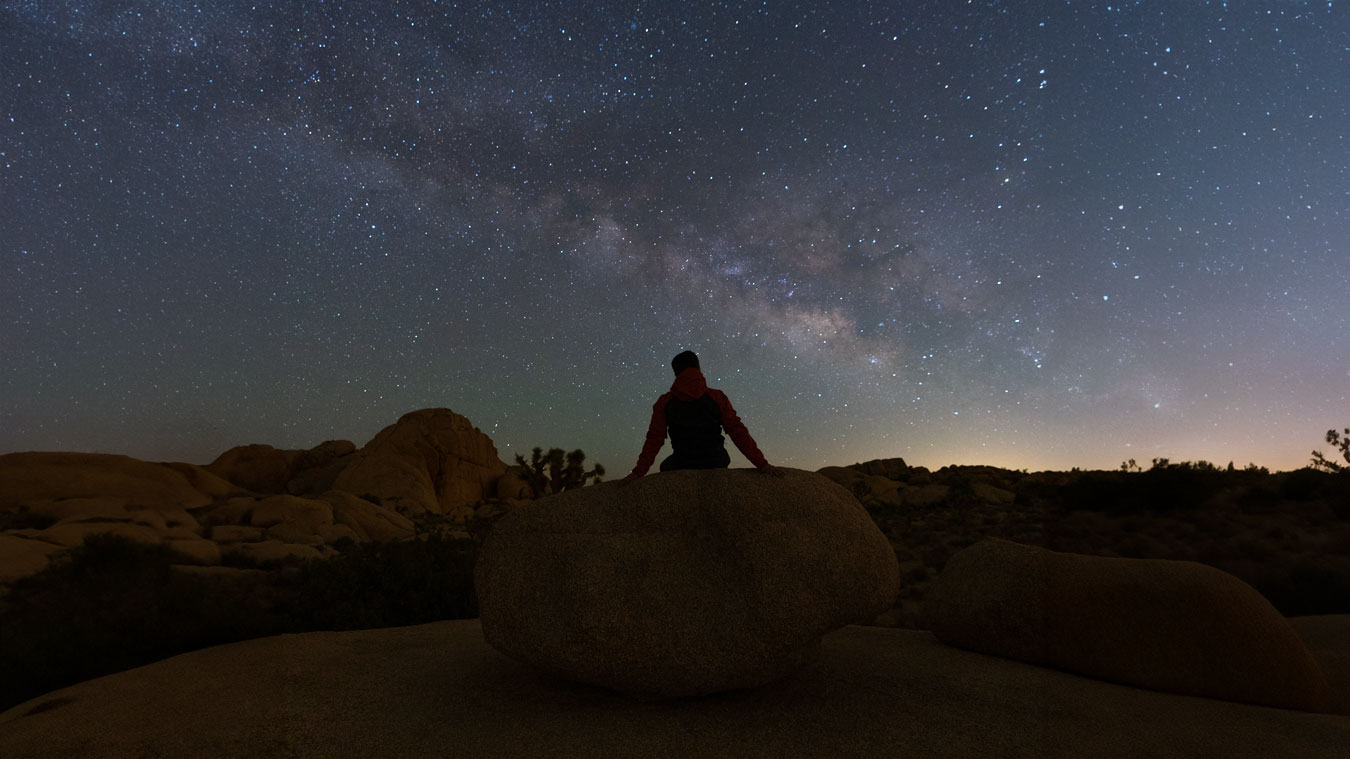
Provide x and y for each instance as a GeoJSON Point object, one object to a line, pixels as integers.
{"type": "Point", "coordinates": [256, 501]}
{"type": "Point", "coordinates": [432, 460]}
{"type": "Point", "coordinates": [682, 583]}
{"type": "Point", "coordinates": [1175, 626]}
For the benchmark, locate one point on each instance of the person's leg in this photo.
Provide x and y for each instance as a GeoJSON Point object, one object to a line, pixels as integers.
{"type": "Point", "coordinates": [719, 459]}
{"type": "Point", "coordinates": [716, 460]}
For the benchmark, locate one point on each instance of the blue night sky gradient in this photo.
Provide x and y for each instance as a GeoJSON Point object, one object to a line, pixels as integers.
{"type": "Point", "coordinates": [1034, 234]}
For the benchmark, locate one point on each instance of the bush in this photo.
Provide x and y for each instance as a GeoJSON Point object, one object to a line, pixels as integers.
{"type": "Point", "coordinates": [23, 519]}
{"type": "Point", "coordinates": [1308, 589]}
{"type": "Point", "coordinates": [389, 585]}
{"type": "Point", "coordinates": [110, 605]}
{"type": "Point", "coordinates": [113, 604]}
{"type": "Point", "coordinates": [1303, 484]}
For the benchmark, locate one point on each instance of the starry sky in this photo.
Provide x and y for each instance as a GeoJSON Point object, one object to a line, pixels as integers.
{"type": "Point", "coordinates": [1036, 234]}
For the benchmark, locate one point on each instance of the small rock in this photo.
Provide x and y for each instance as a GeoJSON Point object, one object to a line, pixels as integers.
{"type": "Point", "coordinates": [234, 533]}
{"type": "Point", "coordinates": [196, 549]}
{"type": "Point", "coordinates": [292, 532]}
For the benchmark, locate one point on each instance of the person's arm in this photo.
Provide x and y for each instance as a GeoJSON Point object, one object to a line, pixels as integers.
{"type": "Point", "coordinates": [736, 430]}
{"type": "Point", "coordinates": [656, 437]}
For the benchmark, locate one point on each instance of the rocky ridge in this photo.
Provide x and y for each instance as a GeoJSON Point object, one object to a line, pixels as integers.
{"type": "Point", "coordinates": [254, 504]}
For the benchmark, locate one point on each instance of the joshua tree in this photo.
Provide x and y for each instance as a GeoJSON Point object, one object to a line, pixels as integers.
{"type": "Point", "coordinates": [1338, 442]}
{"type": "Point", "coordinates": [556, 471]}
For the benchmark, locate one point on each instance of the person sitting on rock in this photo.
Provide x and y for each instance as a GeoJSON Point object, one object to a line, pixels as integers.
{"type": "Point", "coordinates": [695, 416]}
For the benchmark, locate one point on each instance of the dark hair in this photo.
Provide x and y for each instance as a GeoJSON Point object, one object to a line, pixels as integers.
{"type": "Point", "coordinates": [684, 361]}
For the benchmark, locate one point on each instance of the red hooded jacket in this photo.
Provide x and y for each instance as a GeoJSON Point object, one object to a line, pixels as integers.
{"type": "Point", "coordinates": [690, 385]}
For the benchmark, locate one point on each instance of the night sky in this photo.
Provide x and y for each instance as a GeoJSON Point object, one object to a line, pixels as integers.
{"type": "Point", "coordinates": [1028, 234]}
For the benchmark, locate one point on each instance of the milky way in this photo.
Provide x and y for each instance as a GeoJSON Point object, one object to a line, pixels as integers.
{"type": "Point", "coordinates": [1031, 234]}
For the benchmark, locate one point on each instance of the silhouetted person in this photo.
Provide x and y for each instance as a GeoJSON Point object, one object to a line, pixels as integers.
{"type": "Point", "coordinates": [695, 415]}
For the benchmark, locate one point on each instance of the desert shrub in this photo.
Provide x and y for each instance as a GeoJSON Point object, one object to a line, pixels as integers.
{"type": "Point", "coordinates": [915, 575]}
{"type": "Point", "coordinates": [23, 519]}
{"type": "Point", "coordinates": [1339, 488]}
{"type": "Point", "coordinates": [1095, 491]}
{"type": "Point", "coordinates": [1308, 589]}
{"type": "Point", "coordinates": [388, 585]}
{"type": "Point", "coordinates": [960, 492]}
{"type": "Point", "coordinates": [859, 489]}
{"type": "Point", "coordinates": [556, 471]}
{"type": "Point", "coordinates": [1339, 443]}
{"type": "Point", "coordinates": [109, 605]}
{"type": "Point", "coordinates": [1178, 487]}
{"type": "Point", "coordinates": [113, 604]}
{"type": "Point", "coordinates": [1258, 500]}
{"type": "Point", "coordinates": [1302, 484]}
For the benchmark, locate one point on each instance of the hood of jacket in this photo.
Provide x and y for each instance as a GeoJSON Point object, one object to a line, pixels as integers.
{"type": "Point", "coordinates": [689, 384]}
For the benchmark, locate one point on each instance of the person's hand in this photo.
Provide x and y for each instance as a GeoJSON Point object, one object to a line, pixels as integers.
{"type": "Point", "coordinates": [773, 471]}
{"type": "Point", "coordinates": [631, 476]}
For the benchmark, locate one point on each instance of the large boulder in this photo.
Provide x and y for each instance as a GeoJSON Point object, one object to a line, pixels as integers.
{"type": "Point", "coordinates": [366, 520]}
{"type": "Point", "coordinates": [306, 513]}
{"type": "Point", "coordinates": [208, 483]}
{"type": "Point", "coordinates": [316, 469]}
{"type": "Point", "coordinates": [684, 582]}
{"type": "Point", "coordinates": [35, 478]}
{"type": "Point", "coordinates": [257, 467]}
{"type": "Point", "coordinates": [23, 555]}
{"type": "Point", "coordinates": [892, 469]}
{"type": "Point", "coordinates": [1174, 626]}
{"type": "Point", "coordinates": [430, 460]}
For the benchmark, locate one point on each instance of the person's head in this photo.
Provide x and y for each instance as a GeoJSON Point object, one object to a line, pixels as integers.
{"type": "Point", "coordinates": [684, 361]}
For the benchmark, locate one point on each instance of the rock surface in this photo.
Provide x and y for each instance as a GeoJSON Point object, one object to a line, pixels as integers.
{"type": "Point", "coordinates": [257, 467]}
{"type": "Point", "coordinates": [27, 479]}
{"type": "Point", "coordinates": [366, 520]}
{"type": "Point", "coordinates": [437, 689]}
{"type": "Point", "coordinates": [683, 582]}
{"type": "Point", "coordinates": [1174, 626]}
{"type": "Point", "coordinates": [248, 499]}
{"type": "Point", "coordinates": [432, 460]}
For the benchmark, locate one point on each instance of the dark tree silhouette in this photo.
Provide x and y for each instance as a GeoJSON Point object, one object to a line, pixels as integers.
{"type": "Point", "coordinates": [556, 471]}
{"type": "Point", "coordinates": [1338, 442]}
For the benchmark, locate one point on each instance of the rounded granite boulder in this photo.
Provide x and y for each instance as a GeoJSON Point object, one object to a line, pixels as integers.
{"type": "Point", "coordinates": [1175, 626]}
{"type": "Point", "coordinates": [682, 583]}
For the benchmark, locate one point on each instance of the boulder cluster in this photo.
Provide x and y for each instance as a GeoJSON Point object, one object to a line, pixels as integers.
{"type": "Point", "coordinates": [892, 484]}
{"type": "Point", "coordinates": [256, 502]}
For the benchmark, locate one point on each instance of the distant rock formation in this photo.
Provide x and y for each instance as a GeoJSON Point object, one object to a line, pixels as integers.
{"type": "Point", "coordinates": [431, 460]}
{"type": "Point", "coordinates": [683, 582]}
{"type": "Point", "coordinates": [254, 501]}
{"type": "Point", "coordinates": [38, 481]}
{"type": "Point", "coordinates": [1175, 626]}
{"type": "Point", "coordinates": [259, 468]}
{"type": "Point", "coordinates": [265, 469]}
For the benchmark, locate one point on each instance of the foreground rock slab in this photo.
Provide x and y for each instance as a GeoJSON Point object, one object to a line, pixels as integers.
{"type": "Point", "coordinates": [1175, 626]}
{"type": "Point", "coordinates": [439, 690]}
{"type": "Point", "coordinates": [682, 583]}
